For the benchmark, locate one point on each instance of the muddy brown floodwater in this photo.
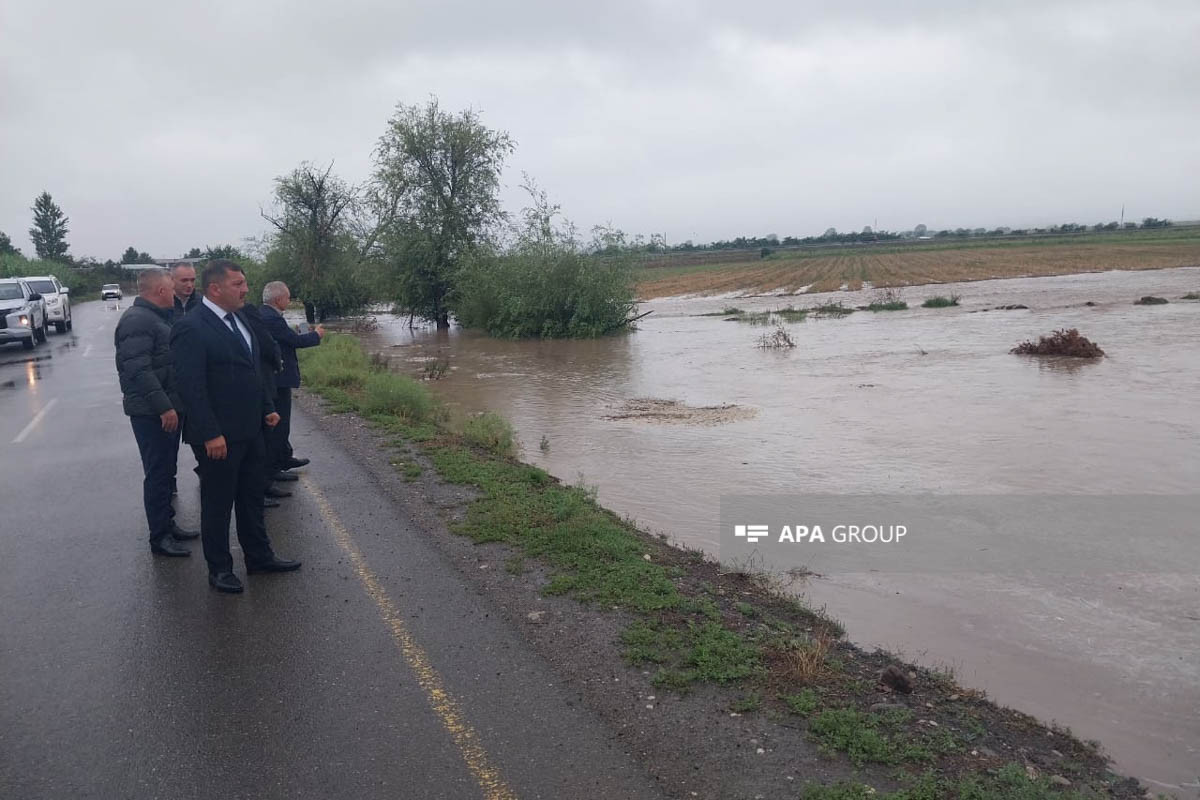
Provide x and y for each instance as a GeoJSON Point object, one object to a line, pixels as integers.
{"type": "Point", "coordinates": [666, 420]}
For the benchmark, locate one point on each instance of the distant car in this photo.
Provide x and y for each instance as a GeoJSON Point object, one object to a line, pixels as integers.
{"type": "Point", "coordinates": [58, 301]}
{"type": "Point", "coordinates": [22, 314]}
{"type": "Point", "coordinates": [110, 291]}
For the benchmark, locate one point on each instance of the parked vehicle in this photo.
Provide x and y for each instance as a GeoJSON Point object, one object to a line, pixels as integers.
{"type": "Point", "coordinates": [110, 291]}
{"type": "Point", "coordinates": [58, 300]}
{"type": "Point", "coordinates": [22, 314]}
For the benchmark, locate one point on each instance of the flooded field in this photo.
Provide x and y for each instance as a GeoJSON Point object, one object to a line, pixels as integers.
{"type": "Point", "coordinates": [666, 420]}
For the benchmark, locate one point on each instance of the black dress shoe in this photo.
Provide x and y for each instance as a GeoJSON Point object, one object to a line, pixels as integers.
{"type": "Point", "coordinates": [182, 535]}
{"type": "Point", "coordinates": [273, 492]}
{"type": "Point", "coordinates": [284, 476]}
{"type": "Point", "coordinates": [276, 564]}
{"type": "Point", "coordinates": [269, 503]}
{"type": "Point", "coordinates": [225, 582]}
{"type": "Point", "coordinates": [167, 546]}
{"type": "Point", "coordinates": [294, 463]}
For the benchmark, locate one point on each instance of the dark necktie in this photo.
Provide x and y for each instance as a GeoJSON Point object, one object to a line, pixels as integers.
{"type": "Point", "coordinates": [237, 334]}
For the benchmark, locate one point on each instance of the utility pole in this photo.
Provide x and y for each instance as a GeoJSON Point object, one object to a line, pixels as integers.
{"type": "Point", "coordinates": [1122, 215]}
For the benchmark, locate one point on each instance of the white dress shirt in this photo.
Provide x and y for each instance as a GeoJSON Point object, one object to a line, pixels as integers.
{"type": "Point", "coordinates": [237, 323]}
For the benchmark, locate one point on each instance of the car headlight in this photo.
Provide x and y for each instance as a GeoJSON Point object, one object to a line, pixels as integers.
{"type": "Point", "coordinates": [25, 320]}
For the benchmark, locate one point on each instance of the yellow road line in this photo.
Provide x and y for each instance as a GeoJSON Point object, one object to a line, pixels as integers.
{"type": "Point", "coordinates": [441, 701]}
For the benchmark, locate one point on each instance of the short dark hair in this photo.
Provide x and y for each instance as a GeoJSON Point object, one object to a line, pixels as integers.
{"type": "Point", "coordinates": [216, 270]}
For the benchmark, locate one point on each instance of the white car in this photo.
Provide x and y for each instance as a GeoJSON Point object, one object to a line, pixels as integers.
{"type": "Point", "coordinates": [22, 314]}
{"type": "Point", "coordinates": [110, 291]}
{"type": "Point", "coordinates": [58, 301]}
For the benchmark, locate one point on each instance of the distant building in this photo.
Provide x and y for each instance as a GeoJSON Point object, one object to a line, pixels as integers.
{"type": "Point", "coordinates": [140, 267]}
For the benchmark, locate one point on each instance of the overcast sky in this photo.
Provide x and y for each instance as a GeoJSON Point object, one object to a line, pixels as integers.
{"type": "Point", "coordinates": [162, 125]}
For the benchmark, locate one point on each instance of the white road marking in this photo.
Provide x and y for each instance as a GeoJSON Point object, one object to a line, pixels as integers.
{"type": "Point", "coordinates": [87, 350]}
{"type": "Point", "coordinates": [33, 423]}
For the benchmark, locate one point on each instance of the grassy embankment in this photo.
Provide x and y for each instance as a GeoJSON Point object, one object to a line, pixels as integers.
{"type": "Point", "coordinates": [885, 265]}
{"type": "Point", "coordinates": [694, 623]}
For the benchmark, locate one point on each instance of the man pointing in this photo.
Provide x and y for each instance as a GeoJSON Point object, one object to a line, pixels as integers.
{"type": "Point", "coordinates": [227, 401]}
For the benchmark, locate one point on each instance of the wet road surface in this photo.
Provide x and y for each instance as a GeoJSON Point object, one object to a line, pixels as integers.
{"type": "Point", "coordinates": [373, 672]}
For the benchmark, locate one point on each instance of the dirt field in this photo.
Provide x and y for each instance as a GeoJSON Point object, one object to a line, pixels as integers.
{"type": "Point", "coordinates": [825, 271]}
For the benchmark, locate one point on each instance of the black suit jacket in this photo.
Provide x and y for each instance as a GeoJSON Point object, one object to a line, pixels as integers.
{"type": "Point", "coordinates": [288, 341]}
{"type": "Point", "coordinates": [224, 389]}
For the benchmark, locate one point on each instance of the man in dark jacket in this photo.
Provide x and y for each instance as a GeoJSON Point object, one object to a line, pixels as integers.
{"type": "Point", "coordinates": [276, 297]}
{"type": "Point", "coordinates": [225, 393]}
{"type": "Point", "coordinates": [272, 363]}
{"type": "Point", "coordinates": [151, 401]}
{"type": "Point", "coordinates": [185, 290]}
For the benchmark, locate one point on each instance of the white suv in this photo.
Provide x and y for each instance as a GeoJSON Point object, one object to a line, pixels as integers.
{"type": "Point", "coordinates": [110, 291]}
{"type": "Point", "coordinates": [22, 314]}
{"type": "Point", "coordinates": [58, 301]}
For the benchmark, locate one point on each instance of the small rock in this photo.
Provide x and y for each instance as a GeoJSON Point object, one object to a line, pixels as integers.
{"type": "Point", "coordinates": [535, 616]}
{"type": "Point", "coordinates": [988, 752]}
{"type": "Point", "coordinates": [953, 697]}
{"type": "Point", "coordinates": [646, 556]}
{"type": "Point", "coordinates": [760, 751]}
{"type": "Point", "coordinates": [650, 706]}
{"type": "Point", "coordinates": [894, 678]}
{"type": "Point", "coordinates": [1059, 780]}
{"type": "Point", "coordinates": [1031, 771]}
{"type": "Point", "coordinates": [1056, 754]}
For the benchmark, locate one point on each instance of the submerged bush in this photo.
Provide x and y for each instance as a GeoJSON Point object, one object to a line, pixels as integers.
{"type": "Point", "coordinates": [547, 285]}
{"type": "Point", "coordinates": [1150, 300]}
{"type": "Point", "coordinates": [939, 301]}
{"type": "Point", "coordinates": [1060, 343]}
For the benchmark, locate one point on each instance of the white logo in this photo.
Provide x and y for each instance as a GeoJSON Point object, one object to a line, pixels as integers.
{"type": "Point", "coordinates": [751, 533]}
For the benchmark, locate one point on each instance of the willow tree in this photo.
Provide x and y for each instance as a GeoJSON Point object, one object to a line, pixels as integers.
{"type": "Point", "coordinates": [321, 238]}
{"type": "Point", "coordinates": [442, 172]}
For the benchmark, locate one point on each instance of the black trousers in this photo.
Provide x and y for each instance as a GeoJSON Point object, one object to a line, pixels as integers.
{"type": "Point", "coordinates": [233, 484]}
{"type": "Point", "coordinates": [160, 453]}
{"type": "Point", "coordinates": [279, 448]}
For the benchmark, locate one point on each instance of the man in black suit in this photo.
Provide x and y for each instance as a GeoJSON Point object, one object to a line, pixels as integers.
{"type": "Point", "coordinates": [227, 402]}
{"type": "Point", "coordinates": [276, 297]}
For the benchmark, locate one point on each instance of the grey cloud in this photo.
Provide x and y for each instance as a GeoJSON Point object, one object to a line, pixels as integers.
{"type": "Point", "coordinates": [163, 127]}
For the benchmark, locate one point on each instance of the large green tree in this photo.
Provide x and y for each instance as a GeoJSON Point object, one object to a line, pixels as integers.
{"type": "Point", "coordinates": [49, 231]}
{"type": "Point", "coordinates": [320, 241]}
{"type": "Point", "coordinates": [441, 172]}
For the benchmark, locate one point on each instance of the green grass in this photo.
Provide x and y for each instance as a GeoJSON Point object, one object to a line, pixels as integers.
{"type": "Point", "coordinates": [891, 305]}
{"type": "Point", "coordinates": [1191, 296]}
{"type": "Point", "coordinates": [748, 704]}
{"type": "Point", "coordinates": [940, 301]}
{"type": "Point", "coordinates": [695, 652]}
{"type": "Point", "coordinates": [804, 702]}
{"type": "Point", "coordinates": [791, 314]}
{"type": "Point", "coordinates": [832, 310]}
{"type": "Point", "coordinates": [1010, 782]}
{"type": "Point", "coordinates": [493, 433]}
{"type": "Point", "coordinates": [867, 737]}
{"type": "Point", "coordinates": [396, 395]}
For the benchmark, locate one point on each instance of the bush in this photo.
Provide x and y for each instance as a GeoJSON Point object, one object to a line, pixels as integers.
{"type": "Point", "coordinates": [546, 292]}
{"type": "Point", "coordinates": [1060, 343]}
{"type": "Point", "coordinates": [399, 395]}
{"type": "Point", "coordinates": [338, 362]}
{"type": "Point", "coordinates": [492, 432]}
{"type": "Point", "coordinates": [1150, 300]}
{"type": "Point", "coordinates": [939, 301]}
{"type": "Point", "coordinates": [546, 285]}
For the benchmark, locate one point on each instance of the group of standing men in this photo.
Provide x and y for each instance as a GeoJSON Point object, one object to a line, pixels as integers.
{"type": "Point", "coordinates": [206, 365]}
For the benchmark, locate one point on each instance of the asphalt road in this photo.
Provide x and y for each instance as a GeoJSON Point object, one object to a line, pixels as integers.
{"type": "Point", "coordinates": [372, 672]}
